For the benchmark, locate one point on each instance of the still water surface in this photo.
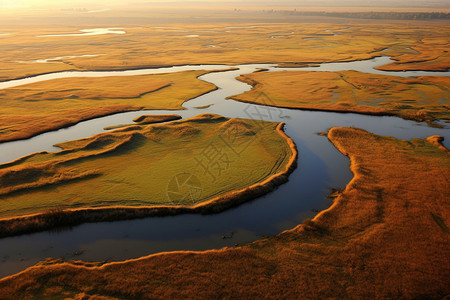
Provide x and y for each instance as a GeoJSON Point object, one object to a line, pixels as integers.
{"type": "Point", "coordinates": [320, 168]}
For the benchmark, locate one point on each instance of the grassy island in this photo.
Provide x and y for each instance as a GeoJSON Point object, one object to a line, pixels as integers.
{"type": "Point", "coordinates": [203, 164]}
{"type": "Point", "coordinates": [424, 98]}
{"type": "Point", "coordinates": [391, 221]}
{"type": "Point", "coordinates": [31, 109]}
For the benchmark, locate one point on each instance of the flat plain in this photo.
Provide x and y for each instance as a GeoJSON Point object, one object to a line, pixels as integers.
{"type": "Point", "coordinates": [44, 106]}
{"type": "Point", "coordinates": [422, 98]}
{"type": "Point", "coordinates": [385, 234]}
{"type": "Point", "coordinates": [412, 47]}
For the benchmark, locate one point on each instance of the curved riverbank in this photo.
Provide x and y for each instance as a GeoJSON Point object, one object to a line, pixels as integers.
{"type": "Point", "coordinates": [422, 99]}
{"type": "Point", "coordinates": [374, 228]}
{"type": "Point", "coordinates": [323, 168]}
{"type": "Point", "coordinates": [166, 91]}
{"type": "Point", "coordinates": [65, 218]}
{"type": "Point", "coordinates": [73, 117]}
{"type": "Point", "coordinates": [332, 40]}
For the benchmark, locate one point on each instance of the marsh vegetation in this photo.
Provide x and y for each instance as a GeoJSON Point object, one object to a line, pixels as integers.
{"type": "Point", "coordinates": [424, 98]}
{"type": "Point", "coordinates": [180, 164]}
{"type": "Point", "coordinates": [385, 234]}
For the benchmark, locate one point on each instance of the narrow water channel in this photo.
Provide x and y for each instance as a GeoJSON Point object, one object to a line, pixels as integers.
{"type": "Point", "coordinates": [320, 168]}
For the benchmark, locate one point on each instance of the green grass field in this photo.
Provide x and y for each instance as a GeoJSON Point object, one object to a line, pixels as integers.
{"type": "Point", "coordinates": [179, 163]}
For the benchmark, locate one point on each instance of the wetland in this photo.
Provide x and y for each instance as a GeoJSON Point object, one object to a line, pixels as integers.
{"type": "Point", "coordinates": [286, 152]}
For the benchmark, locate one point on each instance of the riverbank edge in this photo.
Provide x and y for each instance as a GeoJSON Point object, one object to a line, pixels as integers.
{"type": "Point", "coordinates": [285, 64]}
{"type": "Point", "coordinates": [306, 236]}
{"type": "Point", "coordinates": [378, 111]}
{"type": "Point", "coordinates": [70, 124]}
{"type": "Point", "coordinates": [67, 218]}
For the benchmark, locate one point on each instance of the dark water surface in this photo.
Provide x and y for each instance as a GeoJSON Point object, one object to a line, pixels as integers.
{"type": "Point", "coordinates": [320, 168]}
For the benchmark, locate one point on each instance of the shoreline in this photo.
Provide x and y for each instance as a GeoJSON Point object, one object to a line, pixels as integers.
{"type": "Point", "coordinates": [377, 111]}
{"type": "Point", "coordinates": [67, 125]}
{"type": "Point", "coordinates": [343, 245]}
{"type": "Point", "coordinates": [123, 70]}
{"type": "Point", "coordinates": [343, 111]}
{"type": "Point", "coordinates": [67, 218]}
{"type": "Point", "coordinates": [277, 63]}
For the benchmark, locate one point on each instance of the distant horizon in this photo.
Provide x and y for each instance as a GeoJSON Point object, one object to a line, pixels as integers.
{"type": "Point", "coordinates": [306, 4]}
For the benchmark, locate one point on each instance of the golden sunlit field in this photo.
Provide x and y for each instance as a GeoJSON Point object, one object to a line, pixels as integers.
{"type": "Point", "coordinates": [283, 195]}
{"type": "Point", "coordinates": [379, 227]}
{"type": "Point", "coordinates": [423, 98]}
{"type": "Point", "coordinates": [106, 170]}
{"type": "Point", "coordinates": [144, 119]}
{"type": "Point", "coordinates": [423, 48]}
{"type": "Point", "coordinates": [61, 102]}
{"type": "Point", "coordinates": [39, 107]}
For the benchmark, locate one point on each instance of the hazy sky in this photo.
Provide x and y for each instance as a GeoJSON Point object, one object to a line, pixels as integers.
{"type": "Point", "coordinates": [4, 4]}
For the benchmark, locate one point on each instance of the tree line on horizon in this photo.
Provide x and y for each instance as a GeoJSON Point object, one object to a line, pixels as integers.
{"type": "Point", "coordinates": [370, 14]}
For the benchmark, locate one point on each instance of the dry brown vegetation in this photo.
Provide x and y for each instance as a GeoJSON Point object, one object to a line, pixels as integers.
{"type": "Point", "coordinates": [129, 173]}
{"type": "Point", "coordinates": [35, 108]}
{"type": "Point", "coordinates": [385, 236]}
{"type": "Point", "coordinates": [147, 119]}
{"type": "Point", "coordinates": [430, 54]}
{"type": "Point", "coordinates": [156, 119]}
{"type": "Point", "coordinates": [424, 98]}
{"type": "Point", "coordinates": [415, 47]}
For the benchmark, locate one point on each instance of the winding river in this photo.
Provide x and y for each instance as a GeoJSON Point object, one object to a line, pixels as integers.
{"type": "Point", "coordinates": [320, 168]}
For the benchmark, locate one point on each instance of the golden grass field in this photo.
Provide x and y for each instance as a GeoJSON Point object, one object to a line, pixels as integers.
{"type": "Point", "coordinates": [423, 98]}
{"type": "Point", "coordinates": [385, 236]}
{"type": "Point", "coordinates": [430, 54]}
{"type": "Point", "coordinates": [414, 47]}
{"type": "Point", "coordinates": [34, 108]}
{"type": "Point", "coordinates": [137, 166]}
{"type": "Point", "coordinates": [147, 119]}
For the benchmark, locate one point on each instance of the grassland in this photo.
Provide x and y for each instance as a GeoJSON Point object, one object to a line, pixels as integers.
{"type": "Point", "coordinates": [142, 120]}
{"type": "Point", "coordinates": [428, 55]}
{"type": "Point", "coordinates": [203, 164]}
{"type": "Point", "coordinates": [32, 109]}
{"type": "Point", "coordinates": [147, 119]}
{"type": "Point", "coordinates": [385, 236]}
{"type": "Point", "coordinates": [414, 47]}
{"type": "Point", "coordinates": [39, 107]}
{"type": "Point", "coordinates": [423, 99]}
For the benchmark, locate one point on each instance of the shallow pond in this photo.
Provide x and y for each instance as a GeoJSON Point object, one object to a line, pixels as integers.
{"type": "Point", "coordinates": [89, 32]}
